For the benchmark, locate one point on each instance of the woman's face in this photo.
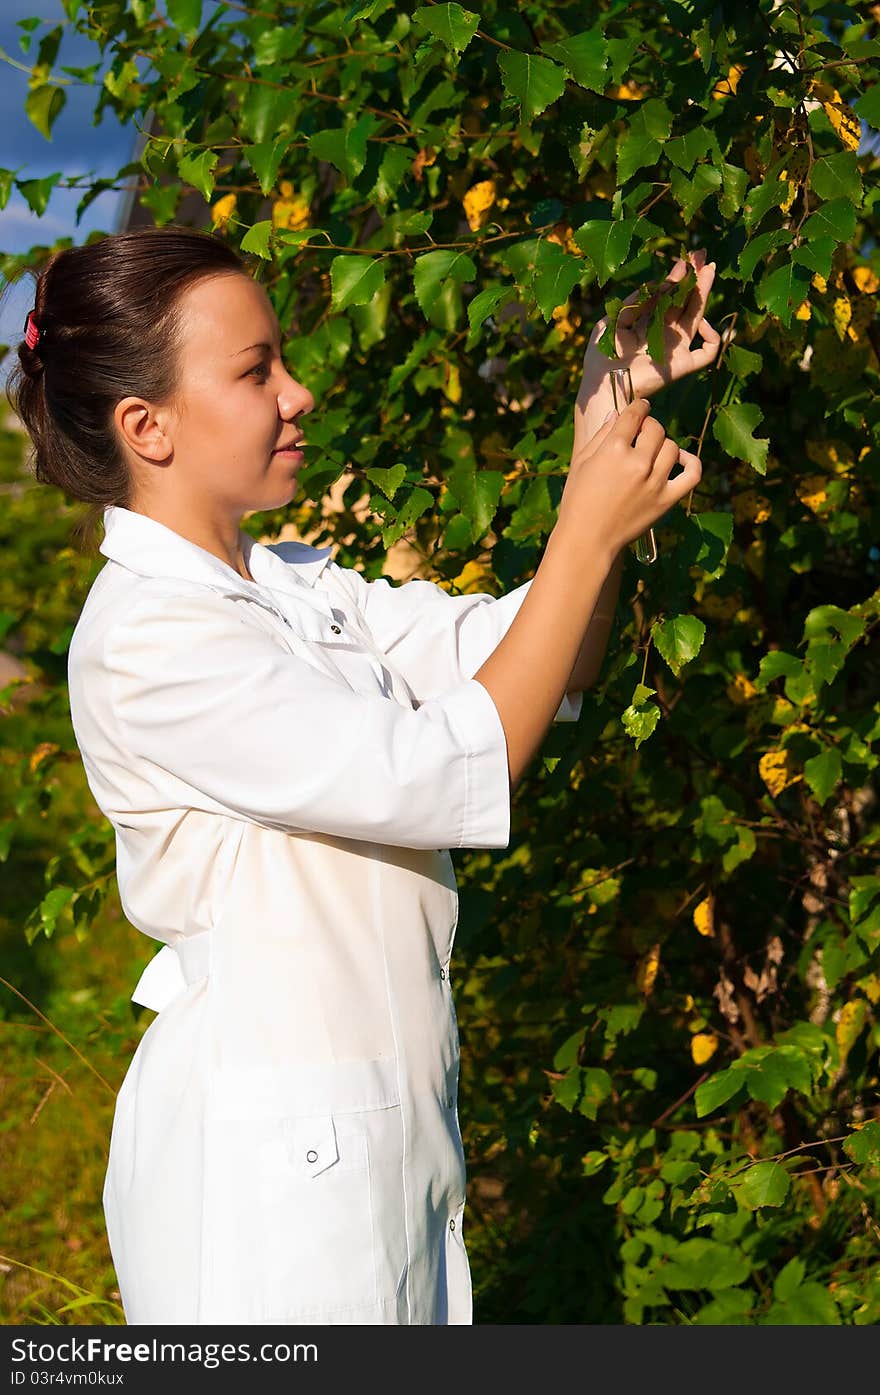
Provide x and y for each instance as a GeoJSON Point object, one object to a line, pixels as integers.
{"type": "Point", "coordinates": [236, 402]}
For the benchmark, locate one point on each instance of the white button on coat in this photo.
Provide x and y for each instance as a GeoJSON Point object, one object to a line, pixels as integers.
{"type": "Point", "coordinates": [284, 798]}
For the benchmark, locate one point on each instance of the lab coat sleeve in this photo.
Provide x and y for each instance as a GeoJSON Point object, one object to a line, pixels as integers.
{"type": "Point", "coordinates": [433, 638]}
{"type": "Point", "coordinates": [215, 714]}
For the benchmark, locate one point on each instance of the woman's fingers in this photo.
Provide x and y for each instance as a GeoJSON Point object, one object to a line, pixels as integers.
{"type": "Point", "coordinates": [708, 350]}
{"type": "Point", "coordinates": [650, 439]}
{"type": "Point", "coordinates": [666, 457]}
{"type": "Point", "coordinates": [693, 312]}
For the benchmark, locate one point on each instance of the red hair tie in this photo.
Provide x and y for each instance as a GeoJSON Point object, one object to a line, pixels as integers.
{"type": "Point", "coordinates": [31, 333]}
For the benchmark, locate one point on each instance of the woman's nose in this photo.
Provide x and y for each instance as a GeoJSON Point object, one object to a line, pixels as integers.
{"type": "Point", "coordinates": [294, 398]}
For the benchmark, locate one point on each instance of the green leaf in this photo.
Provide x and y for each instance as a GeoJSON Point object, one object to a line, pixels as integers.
{"type": "Point", "coordinates": [265, 160]}
{"type": "Point", "coordinates": [734, 183]}
{"type": "Point", "coordinates": [477, 493]}
{"type": "Point", "coordinates": [452, 25]}
{"type": "Point", "coordinates": [7, 178]}
{"type": "Point", "coordinates": [257, 239]}
{"type": "Point", "coordinates": [808, 1306]}
{"type": "Point", "coordinates": [733, 427]}
{"type": "Point", "coordinates": [816, 255]}
{"type": "Point", "coordinates": [757, 249]}
{"type": "Point", "coordinates": [345, 147]}
{"type": "Point", "coordinates": [717, 1090]}
{"type": "Point", "coordinates": [863, 1146]}
{"type": "Point", "coordinates": [197, 170]}
{"type": "Point", "coordinates": [43, 105]}
{"type": "Point", "coordinates": [120, 83]}
{"type": "Point", "coordinates": [415, 505]}
{"type": "Point", "coordinates": [584, 56]}
{"type": "Point", "coordinates": [388, 480]}
{"type": "Point", "coordinates": [36, 191]}
{"type": "Point", "coordinates": [765, 1184]}
{"type": "Point", "coordinates": [185, 15]}
{"type": "Point", "coordinates": [789, 1278]}
{"type": "Point", "coordinates": [777, 664]}
{"type": "Point", "coordinates": [396, 165]}
{"type": "Point", "coordinates": [433, 269]}
{"type": "Point", "coordinates": [53, 904]}
{"type": "Point", "coordinates": [837, 176]}
{"type": "Point", "coordinates": [836, 219]}
{"type": "Point", "coordinates": [639, 722]}
{"type": "Point", "coordinates": [690, 194]}
{"type": "Point", "coordinates": [267, 111]}
{"type": "Point", "coordinates": [649, 126]}
{"type": "Point", "coordinates": [761, 199]}
{"type": "Point", "coordinates": [486, 302]}
{"type": "Point", "coordinates": [535, 82]}
{"type": "Point", "coordinates": [831, 621]}
{"type": "Point", "coordinates": [743, 362]}
{"type": "Point", "coordinates": [558, 273]}
{"type": "Point", "coordinates": [355, 280]}
{"type": "Point", "coordinates": [868, 106]}
{"type": "Point", "coordinates": [597, 1087]}
{"type": "Point", "coordinates": [679, 639]}
{"type": "Point", "coordinates": [822, 772]}
{"type": "Point", "coordinates": [684, 151]}
{"type": "Point", "coordinates": [768, 1080]}
{"type": "Point", "coordinates": [606, 242]}
{"type": "Point", "coordinates": [781, 291]}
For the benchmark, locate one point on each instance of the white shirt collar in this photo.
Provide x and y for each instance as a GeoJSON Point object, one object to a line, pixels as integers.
{"type": "Point", "coordinates": [150, 548]}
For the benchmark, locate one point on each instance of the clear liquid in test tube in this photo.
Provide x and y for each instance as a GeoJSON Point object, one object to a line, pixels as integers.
{"type": "Point", "coordinates": [623, 394]}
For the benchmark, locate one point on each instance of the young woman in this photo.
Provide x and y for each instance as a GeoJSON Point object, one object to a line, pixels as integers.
{"type": "Point", "coordinates": [287, 752]}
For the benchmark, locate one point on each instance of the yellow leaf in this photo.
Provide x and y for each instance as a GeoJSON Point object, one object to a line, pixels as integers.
{"type": "Point", "coordinates": [703, 1047]}
{"type": "Point", "coordinates": [478, 202]}
{"type": "Point", "coordinates": [849, 1025]}
{"type": "Point", "coordinates": [626, 92]}
{"type": "Point", "coordinates": [845, 123]}
{"type": "Point", "coordinates": [424, 157]}
{"type": "Point", "coordinates": [223, 210]}
{"type": "Point", "coordinates": [836, 456]}
{"type": "Point", "coordinates": [292, 210]}
{"type": "Point", "coordinates": [41, 753]}
{"type": "Point", "coordinates": [474, 576]}
{"type": "Point", "coordinates": [752, 506]}
{"type": "Point", "coordinates": [803, 312]}
{"type": "Point", "coordinates": [863, 314]}
{"type": "Point", "coordinates": [812, 490]}
{"type": "Point", "coordinates": [741, 689]}
{"type": "Point", "coordinates": [704, 916]}
{"type": "Point", "coordinates": [727, 86]}
{"type": "Point", "coordinates": [841, 314]}
{"type": "Point", "coordinates": [870, 986]}
{"type": "Point", "coordinates": [867, 280]}
{"type": "Point", "coordinates": [452, 385]}
{"type": "Point", "coordinates": [776, 771]}
{"type": "Point", "coordinates": [820, 283]}
{"type": "Point", "coordinates": [646, 973]}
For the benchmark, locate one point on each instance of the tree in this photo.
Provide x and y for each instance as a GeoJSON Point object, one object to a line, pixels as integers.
{"type": "Point", "coordinates": [669, 984]}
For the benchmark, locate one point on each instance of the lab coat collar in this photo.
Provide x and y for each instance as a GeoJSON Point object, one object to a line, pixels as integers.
{"type": "Point", "coordinates": [149, 548]}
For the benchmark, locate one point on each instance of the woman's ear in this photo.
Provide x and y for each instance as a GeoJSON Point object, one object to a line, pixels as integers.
{"type": "Point", "coordinates": [142, 430]}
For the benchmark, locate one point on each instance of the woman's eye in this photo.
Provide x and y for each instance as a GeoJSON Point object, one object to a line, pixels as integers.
{"type": "Point", "coordinates": [259, 368]}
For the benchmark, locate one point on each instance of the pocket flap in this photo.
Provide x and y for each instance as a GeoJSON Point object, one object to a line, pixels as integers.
{"type": "Point", "coordinates": [312, 1145]}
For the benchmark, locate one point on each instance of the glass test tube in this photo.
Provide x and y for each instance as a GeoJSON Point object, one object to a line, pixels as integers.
{"type": "Point", "coordinates": [623, 394]}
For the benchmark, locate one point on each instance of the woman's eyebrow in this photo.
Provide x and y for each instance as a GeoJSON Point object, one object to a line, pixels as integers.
{"type": "Point", "coordinates": [239, 352]}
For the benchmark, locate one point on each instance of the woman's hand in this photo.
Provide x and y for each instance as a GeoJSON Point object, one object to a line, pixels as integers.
{"type": "Point", "coordinates": [595, 398]}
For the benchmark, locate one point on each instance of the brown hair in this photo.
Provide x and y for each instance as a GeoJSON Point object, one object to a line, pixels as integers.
{"type": "Point", "coordinates": [109, 320]}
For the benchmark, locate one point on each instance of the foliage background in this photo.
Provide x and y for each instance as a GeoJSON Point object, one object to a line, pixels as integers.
{"type": "Point", "coordinates": [668, 983]}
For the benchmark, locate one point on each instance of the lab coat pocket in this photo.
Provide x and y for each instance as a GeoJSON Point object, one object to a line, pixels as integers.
{"type": "Point", "coordinates": [315, 1218]}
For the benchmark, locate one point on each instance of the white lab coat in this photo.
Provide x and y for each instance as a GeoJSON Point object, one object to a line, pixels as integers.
{"type": "Point", "coordinates": [286, 762]}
